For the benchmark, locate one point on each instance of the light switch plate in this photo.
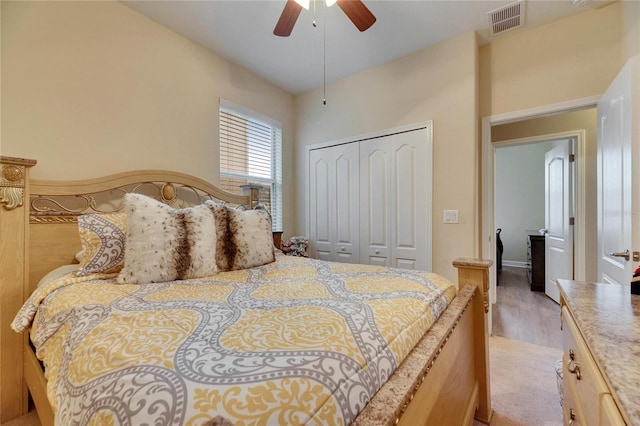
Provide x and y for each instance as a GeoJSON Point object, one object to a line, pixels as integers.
{"type": "Point", "coordinates": [450, 216]}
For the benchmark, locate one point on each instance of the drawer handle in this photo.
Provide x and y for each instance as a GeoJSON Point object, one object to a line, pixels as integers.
{"type": "Point", "coordinates": [573, 366]}
{"type": "Point", "coordinates": [572, 416]}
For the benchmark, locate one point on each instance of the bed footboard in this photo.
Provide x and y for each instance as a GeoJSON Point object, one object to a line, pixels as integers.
{"type": "Point", "coordinates": [445, 379]}
{"type": "Point", "coordinates": [476, 272]}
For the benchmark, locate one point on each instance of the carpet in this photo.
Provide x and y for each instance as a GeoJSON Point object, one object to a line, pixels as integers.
{"type": "Point", "coordinates": [523, 384]}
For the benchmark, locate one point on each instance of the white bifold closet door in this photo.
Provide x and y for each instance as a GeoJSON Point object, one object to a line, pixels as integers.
{"type": "Point", "coordinates": [370, 200]}
{"type": "Point", "coordinates": [333, 207]}
{"type": "Point", "coordinates": [395, 205]}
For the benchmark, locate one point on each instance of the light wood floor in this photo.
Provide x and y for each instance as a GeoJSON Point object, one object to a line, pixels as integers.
{"type": "Point", "coordinates": [525, 315]}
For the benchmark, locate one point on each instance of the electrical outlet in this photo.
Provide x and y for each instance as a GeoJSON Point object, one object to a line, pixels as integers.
{"type": "Point", "coordinates": [450, 216]}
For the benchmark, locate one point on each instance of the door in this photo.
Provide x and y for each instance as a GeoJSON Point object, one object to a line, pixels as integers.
{"type": "Point", "coordinates": [375, 185]}
{"type": "Point", "coordinates": [333, 203]}
{"type": "Point", "coordinates": [320, 214]}
{"type": "Point", "coordinates": [558, 212]}
{"type": "Point", "coordinates": [618, 145]}
{"type": "Point", "coordinates": [410, 209]}
{"type": "Point", "coordinates": [347, 209]}
{"type": "Point", "coordinates": [395, 182]}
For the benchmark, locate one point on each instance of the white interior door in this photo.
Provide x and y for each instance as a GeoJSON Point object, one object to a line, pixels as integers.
{"type": "Point", "coordinates": [558, 211]}
{"type": "Point", "coordinates": [618, 142]}
{"type": "Point", "coordinates": [333, 203]}
{"type": "Point", "coordinates": [375, 232]}
{"type": "Point", "coordinates": [321, 212]}
{"type": "Point", "coordinates": [410, 211]}
{"type": "Point", "coordinates": [347, 206]}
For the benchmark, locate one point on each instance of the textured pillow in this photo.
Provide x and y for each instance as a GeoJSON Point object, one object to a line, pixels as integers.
{"type": "Point", "coordinates": [103, 238]}
{"type": "Point", "coordinates": [244, 238]}
{"type": "Point", "coordinates": [166, 244]}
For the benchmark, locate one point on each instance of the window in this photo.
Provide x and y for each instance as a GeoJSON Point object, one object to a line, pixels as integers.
{"type": "Point", "coordinates": [251, 152]}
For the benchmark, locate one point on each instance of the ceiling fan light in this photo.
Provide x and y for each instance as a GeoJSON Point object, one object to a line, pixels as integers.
{"type": "Point", "coordinates": [330, 2]}
{"type": "Point", "coordinates": [303, 3]}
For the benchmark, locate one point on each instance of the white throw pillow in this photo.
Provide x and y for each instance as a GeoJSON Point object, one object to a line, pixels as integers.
{"type": "Point", "coordinates": [245, 239]}
{"type": "Point", "coordinates": [166, 244]}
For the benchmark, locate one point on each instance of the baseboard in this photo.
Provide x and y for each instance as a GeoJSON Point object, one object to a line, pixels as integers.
{"type": "Point", "coordinates": [515, 264]}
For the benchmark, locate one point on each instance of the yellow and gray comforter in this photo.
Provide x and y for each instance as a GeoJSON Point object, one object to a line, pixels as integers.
{"type": "Point", "coordinates": [297, 341]}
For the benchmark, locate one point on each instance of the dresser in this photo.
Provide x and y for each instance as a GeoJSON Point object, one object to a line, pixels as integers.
{"type": "Point", "coordinates": [601, 368]}
{"type": "Point", "coordinates": [535, 260]}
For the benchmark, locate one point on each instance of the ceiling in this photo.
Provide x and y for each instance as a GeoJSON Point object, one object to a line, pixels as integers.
{"type": "Point", "coordinates": [242, 32]}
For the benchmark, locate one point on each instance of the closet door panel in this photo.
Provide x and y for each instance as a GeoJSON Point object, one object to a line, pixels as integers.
{"type": "Point", "coordinates": [410, 209]}
{"type": "Point", "coordinates": [320, 204]}
{"type": "Point", "coordinates": [374, 202]}
{"type": "Point", "coordinates": [370, 200]}
{"type": "Point", "coordinates": [347, 211]}
{"type": "Point", "coordinates": [334, 175]}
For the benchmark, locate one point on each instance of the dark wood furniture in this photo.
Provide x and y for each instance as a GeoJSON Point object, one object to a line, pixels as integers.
{"type": "Point", "coordinates": [277, 239]}
{"type": "Point", "coordinates": [535, 259]}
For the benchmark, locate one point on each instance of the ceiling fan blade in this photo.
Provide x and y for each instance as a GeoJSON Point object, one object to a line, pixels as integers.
{"type": "Point", "coordinates": [359, 14]}
{"type": "Point", "coordinates": [287, 19]}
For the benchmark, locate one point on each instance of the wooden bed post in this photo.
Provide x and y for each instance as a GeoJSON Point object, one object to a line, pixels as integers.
{"type": "Point", "coordinates": [253, 192]}
{"type": "Point", "coordinates": [476, 272]}
{"type": "Point", "coordinates": [14, 220]}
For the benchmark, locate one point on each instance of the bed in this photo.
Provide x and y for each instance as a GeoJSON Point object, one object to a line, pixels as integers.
{"type": "Point", "coordinates": [249, 357]}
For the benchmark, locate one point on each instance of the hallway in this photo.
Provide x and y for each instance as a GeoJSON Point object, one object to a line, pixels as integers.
{"type": "Point", "coordinates": [525, 315]}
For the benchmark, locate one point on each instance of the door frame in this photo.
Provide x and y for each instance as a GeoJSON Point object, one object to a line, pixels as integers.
{"type": "Point", "coordinates": [578, 186]}
{"type": "Point", "coordinates": [488, 243]}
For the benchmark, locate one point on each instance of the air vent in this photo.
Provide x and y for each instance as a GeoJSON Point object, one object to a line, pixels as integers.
{"type": "Point", "coordinates": [506, 18]}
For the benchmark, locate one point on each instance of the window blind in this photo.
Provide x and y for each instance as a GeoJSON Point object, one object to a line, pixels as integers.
{"type": "Point", "coordinates": [251, 152]}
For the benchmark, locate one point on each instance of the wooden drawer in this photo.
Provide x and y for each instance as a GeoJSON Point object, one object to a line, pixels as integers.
{"type": "Point", "coordinates": [580, 371]}
{"type": "Point", "coordinates": [570, 407]}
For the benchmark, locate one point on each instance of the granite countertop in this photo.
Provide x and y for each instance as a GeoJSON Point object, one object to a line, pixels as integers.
{"type": "Point", "coordinates": [609, 319]}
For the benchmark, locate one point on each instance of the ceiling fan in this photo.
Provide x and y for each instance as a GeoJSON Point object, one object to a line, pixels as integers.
{"type": "Point", "coordinates": [355, 10]}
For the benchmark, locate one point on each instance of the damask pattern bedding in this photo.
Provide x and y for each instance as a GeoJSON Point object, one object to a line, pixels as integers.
{"type": "Point", "coordinates": [297, 341]}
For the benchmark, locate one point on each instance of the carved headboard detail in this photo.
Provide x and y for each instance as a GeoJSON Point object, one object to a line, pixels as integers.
{"type": "Point", "coordinates": [61, 202]}
{"type": "Point", "coordinates": [12, 181]}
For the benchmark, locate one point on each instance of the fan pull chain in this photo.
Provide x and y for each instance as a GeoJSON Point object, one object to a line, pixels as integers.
{"type": "Point", "coordinates": [324, 56]}
{"type": "Point", "coordinates": [314, 14]}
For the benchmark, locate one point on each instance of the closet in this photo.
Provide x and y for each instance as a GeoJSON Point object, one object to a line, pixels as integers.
{"type": "Point", "coordinates": [370, 199]}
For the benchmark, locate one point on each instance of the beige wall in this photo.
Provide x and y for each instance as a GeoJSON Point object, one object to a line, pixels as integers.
{"type": "Point", "coordinates": [577, 120]}
{"type": "Point", "coordinates": [573, 58]}
{"type": "Point", "coordinates": [92, 88]}
{"type": "Point", "coordinates": [565, 60]}
{"type": "Point", "coordinates": [82, 80]}
{"type": "Point", "coordinates": [439, 84]}
{"type": "Point", "coordinates": [630, 11]}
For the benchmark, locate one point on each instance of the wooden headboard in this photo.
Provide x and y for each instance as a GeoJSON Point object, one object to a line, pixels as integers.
{"type": "Point", "coordinates": [39, 232]}
{"type": "Point", "coordinates": [54, 207]}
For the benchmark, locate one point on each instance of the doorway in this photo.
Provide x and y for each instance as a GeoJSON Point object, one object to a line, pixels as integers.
{"type": "Point", "coordinates": [529, 124]}
{"type": "Point", "coordinates": [534, 203]}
